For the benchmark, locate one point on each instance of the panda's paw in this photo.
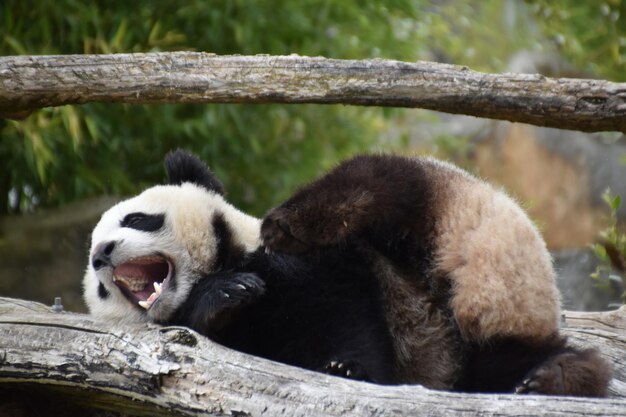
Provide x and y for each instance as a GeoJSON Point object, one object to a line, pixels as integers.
{"type": "Point", "coordinates": [544, 379]}
{"type": "Point", "coordinates": [278, 233]}
{"type": "Point", "coordinates": [233, 291]}
{"type": "Point", "coordinates": [241, 288]}
{"type": "Point", "coordinates": [573, 372]}
{"type": "Point", "coordinates": [346, 369]}
{"type": "Point", "coordinates": [215, 297]}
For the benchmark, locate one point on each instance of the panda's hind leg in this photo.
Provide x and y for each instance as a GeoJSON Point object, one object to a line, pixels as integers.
{"type": "Point", "coordinates": [370, 192]}
{"type": "Point", "coordinates": [570, 372]}
{"type": "Point", "coordinates": [548, 367]}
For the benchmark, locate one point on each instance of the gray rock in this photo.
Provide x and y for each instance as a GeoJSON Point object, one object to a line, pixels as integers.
{"type": "Point", "coordinates": [579, 291]}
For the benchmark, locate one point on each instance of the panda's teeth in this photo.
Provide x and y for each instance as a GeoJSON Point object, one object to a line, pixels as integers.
{"type": "Point", "coordinates": [132, 284]}
{"type": "Point", "coordinates": [157, 288]}
{"type": "Point", "coordinates": [152, 298]}
{"type": "Point", "coordinates": [148, 303]}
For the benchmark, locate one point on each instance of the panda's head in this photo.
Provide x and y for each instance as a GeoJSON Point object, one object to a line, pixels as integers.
{"type": "Point", "coordinates": [148, 251]}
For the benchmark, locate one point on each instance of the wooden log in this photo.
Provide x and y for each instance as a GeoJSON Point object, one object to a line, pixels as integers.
{"type": "Point", "coordinates": [152, 370]}
{"type": "Point", "coordinates": [31, 82]}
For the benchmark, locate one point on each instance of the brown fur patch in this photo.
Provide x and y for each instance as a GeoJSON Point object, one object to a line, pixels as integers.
{"type": "Point", "coordinates": [425, 341]}
{"type": "Point", "coordinates": [503, 282]}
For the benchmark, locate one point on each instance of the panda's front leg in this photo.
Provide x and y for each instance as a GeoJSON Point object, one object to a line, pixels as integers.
{"type": "Point", "coordinates": [214, 300]}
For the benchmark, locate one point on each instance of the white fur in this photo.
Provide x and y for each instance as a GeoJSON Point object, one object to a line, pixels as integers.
{"type": "Point", "coordinates": [187, 239]}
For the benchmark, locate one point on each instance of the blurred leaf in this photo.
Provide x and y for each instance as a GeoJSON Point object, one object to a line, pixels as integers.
{"type": "Point", "coordinates": [14, 45]}
{"type": "Point", "coordinates": [590, 33]}
{"type": "Point", "coordinates": [611, 249]}
{"type": "Point", "coordinates": [616, 202]}
{"type": "Point", "coordinates": [120, 34]}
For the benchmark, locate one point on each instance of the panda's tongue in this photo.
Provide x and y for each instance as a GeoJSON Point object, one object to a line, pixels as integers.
{"type": "Point", "coordinates": [141, 279]}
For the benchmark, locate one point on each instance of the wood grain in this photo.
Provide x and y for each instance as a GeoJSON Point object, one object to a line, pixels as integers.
{"type": "Point", "coordinates": [167, 371]}
{"type": "Point", "coordinates": [32, 82]}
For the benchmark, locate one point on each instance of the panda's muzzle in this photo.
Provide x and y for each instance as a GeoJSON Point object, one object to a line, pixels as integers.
{"type": "Point", "coordinates": [142, 280]}
{"type": "Point", "coordinates": [102, 255]}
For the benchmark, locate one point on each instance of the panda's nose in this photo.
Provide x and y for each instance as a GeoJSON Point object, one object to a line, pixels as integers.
{"type": "Point", "coordinates": [102, 255]}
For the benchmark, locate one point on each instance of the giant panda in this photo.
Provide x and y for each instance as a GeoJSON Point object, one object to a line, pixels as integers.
{"type": "Point", "coordinates": [388, 269]}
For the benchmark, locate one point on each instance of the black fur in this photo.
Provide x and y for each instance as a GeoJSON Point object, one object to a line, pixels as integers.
{"type": "Point", "coordinates": [501, 364]}
{"type": "Point", "coordinates": [103, 293]}
{"type": "Point", "coordinates": [301, 311]}
{"type": "Point", "coordinates": [215, 298]}
{"type": "Point", "coordinates": [229, 253]}
{"type": "Point", "coordinates": [376, 198]}
{"type": "Point", "coordinates": [143, 222]}
{"type": "Point", "coordinates": [182, 166]}
{"type": "Point", "coordinates": [551, 367]}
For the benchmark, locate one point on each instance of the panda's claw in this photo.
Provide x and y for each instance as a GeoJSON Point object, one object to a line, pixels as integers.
{"type": "Point", "coordinates": [243, 287]}
{"type": "Point", "coordinates": [544, 379]}
{"type": "Point", "coordinates": [528, 387]}
{"type": "Point", "coordinates": [346, 369]}
{"type": "Point", "coordinates": [226, 291]}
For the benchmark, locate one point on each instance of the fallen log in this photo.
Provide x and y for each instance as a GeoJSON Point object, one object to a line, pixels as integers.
{"type": "Point", "coordinates": [51, 359]}
{"type": "Point", "coordinates": [28, 83]}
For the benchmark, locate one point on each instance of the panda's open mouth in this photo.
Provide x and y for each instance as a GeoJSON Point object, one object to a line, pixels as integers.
{"type": "Point", "coordinates": [143, 280]}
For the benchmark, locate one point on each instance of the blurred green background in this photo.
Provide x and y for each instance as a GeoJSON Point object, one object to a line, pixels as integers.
{"type": "Point", "coordinates": [61, 167]}
{"type": "Point", "coordinates": [261, 152]}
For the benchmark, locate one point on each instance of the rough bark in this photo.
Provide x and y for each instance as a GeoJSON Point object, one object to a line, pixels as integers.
{"type": "Point", "coordinates": [31, 82]}
{"type": "Point", "coordinates": [150, 370]}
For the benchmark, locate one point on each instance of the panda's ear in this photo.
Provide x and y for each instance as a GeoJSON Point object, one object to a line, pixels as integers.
{"type": "Point", "coordinates": [182, 166]}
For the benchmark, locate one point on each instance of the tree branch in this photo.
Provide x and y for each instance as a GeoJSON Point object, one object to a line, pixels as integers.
{"type": "Point", "coordinates": [31, 82]}
{"type": "Point", "coordinates": [151, 370]}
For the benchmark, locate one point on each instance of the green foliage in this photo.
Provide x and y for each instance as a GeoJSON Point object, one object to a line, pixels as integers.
{"type": "Point", "coordinates": [592, 34]}
{"type": "Point", "coordinates": [261, 152]}
{"type": "Point", "coordinates": [480, 34]}
{"type": "Point", "coordinates": [63, 154]}
{"type": "Point", "coordinates": [610, 249]}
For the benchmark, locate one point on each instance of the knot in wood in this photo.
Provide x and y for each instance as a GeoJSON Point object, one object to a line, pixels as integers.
{"type": "Point", "coordinates": [180, 336]}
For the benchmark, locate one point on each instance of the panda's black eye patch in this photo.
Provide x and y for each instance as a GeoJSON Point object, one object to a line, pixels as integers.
{"type": "Point", "coordinates": [143, 222]}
